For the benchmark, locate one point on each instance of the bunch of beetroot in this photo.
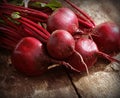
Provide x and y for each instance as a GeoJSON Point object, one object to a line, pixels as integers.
{"type": "Point", "coordinates": [39, 38]}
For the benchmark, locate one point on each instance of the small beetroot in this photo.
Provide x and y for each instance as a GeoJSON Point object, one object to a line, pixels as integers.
{"type": "Point", "coordinates": [63, 18]}
{"type": "Point", "coordinates": [107, 37]}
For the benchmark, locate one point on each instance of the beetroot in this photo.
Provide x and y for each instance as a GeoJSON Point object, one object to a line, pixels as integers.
{"type": "Point", "coordinates": [63, 18]}
{"type": "Point", "coordinates": [30, 57]}
{"type": "Point", "coordinates": [89, 51]}
{"type": "Point", "coordinates": [90, 23]}
{"type": "Point", "coordinates": [60, 44]}
{"type": "Point", "coordinates": [106, 37]}
{"type": "Point", "coordinates": [77, 63]}
{"type": "Point", "coordinates": [86, 48]}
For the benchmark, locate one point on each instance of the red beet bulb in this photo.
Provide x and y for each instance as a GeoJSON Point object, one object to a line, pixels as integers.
{"type": "Point", "coordinates": [106, 37]}
{"type": "Point", "coordinates": [89, 52]}
{"type": "Point", "coordinates": [31, 58]}
{"type": "Point", "coordinates": [60, 44]}
{"type": "Point", "coordinates": [63, 18]}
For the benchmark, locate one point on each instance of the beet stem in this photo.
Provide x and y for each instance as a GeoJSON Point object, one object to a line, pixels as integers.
{"type": "Point", "coordinates": [64, 63]}
{"type": "Point", "coordinates": [86, 24]}
{"type": "Point", "coordinates": [29, 11]}
{"type": "Point", "coordinates": [82, 12]}
{"type": "Point", "coordinates": [38, 33]}
{"type": "Point", "coordinates": [81, 17]}
{"type": "Point", "coordinates": [36, 25]}
{"type": "Point", "coordinates": [9, 22]}
{"type": "Point", "coordinates": [83, 21]}
{"type": "Point", "coordinates": [9, 33]}
{"type": "Point", "coordinates": [28, 31]}
{"type": "Point", "coordinates": [68, 65]}
{"type": "Point", "coordinates": [36, 19]}
{"type": "Point", "coordinates": [108, 57]}
{"type": "Point", "coordinates": [32, 25]}
{"type": "Point", "coordinates": [83, 62]}
{"type": "Point", "coordinates": [9, 44]}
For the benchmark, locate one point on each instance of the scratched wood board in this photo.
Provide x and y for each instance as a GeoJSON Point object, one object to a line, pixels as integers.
{"type": "Point", "coordinates": [104, 78]}
{"type": "Point", "coordinates": [53, 84]}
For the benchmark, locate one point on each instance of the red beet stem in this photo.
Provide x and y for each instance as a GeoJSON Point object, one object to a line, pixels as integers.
{"type": "Point", "coordinates": [9, 32]}
{"type": "Point", "coordinates": [82, 60]}
{"type": "Point", "coordinates": [36, 25]}
{"type": "Point", "coordinates": [81, 17]}
{"type": "Point", "coordinates": [68, 65]}
{"type": "Point", "coordinates": [84, 23]}
{"type": "Point", "coordinates": [38, 34]}
{"type": "Point", "coordinates": [28, 31]}
{"type": "Point", "coordinates": [64, 63]}
{"type": "Point", "coordinates": [108, 57]}
{"type": "Point", "coordinates": [24, 10]}
{"type": "Point", "coordinates": [9, 44]}
{"type": "Point", "coordinates": [8, 22]}
{"type": "Point", "coordinates": [19, 32]}
{"type": "Point", "coordinates": [36, 19]}
{"type": "Point", "coordinates": [79, 10]}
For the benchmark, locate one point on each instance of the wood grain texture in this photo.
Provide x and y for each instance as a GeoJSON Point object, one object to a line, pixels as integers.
{"type": "Point", "coordinates": [53, 84]}
{"type": "Point", "coordinates": [104, 78]}
{"type": "Point", "coordinates": [103, 81]}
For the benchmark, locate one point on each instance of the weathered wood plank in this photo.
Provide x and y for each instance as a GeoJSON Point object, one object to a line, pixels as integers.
{"type": "Point", "coordinates": [104, 78]}
{"type": "Point", "coordinates": [103, 81]}
{"type": "Point", "coordinates": [53, 84]}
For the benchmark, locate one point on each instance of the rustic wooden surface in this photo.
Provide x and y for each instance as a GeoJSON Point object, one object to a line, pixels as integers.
{"type": "Point", "coordinates": [53, 84]}
{"type": "Point", "coordinates": [103, 81]}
